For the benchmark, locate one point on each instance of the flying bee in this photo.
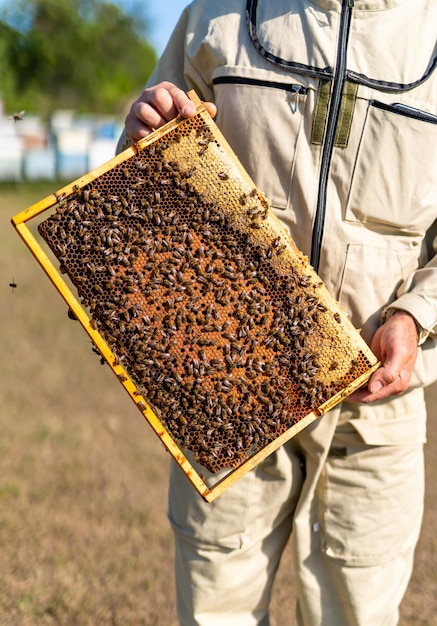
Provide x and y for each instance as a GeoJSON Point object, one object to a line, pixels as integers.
{"type": "Point", "coordinates": [17, 117]}
{"type": "Point", "coordinates": [13, 285]}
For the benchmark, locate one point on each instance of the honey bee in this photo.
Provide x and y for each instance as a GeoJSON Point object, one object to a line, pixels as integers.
{"type": "Point", "coordinates": [59, 196]}
{"type": "Point", "coordinates": [71, 314]}
{"type": "Point", "coordinates": [17, 117]}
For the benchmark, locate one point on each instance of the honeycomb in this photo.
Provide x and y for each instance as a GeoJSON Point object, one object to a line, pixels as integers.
{"type": "Point", "coordinates": [220, 322]}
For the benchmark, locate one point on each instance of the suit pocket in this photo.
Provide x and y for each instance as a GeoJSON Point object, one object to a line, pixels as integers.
{"type": "Point", "coordinates": [394, 183]}
{"type": "Point", "coordinates": [261, 116]}
{"type": "Point", "coordinates": [372, 503]}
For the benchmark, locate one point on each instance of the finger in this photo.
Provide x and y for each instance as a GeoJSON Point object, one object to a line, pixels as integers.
{"type": "Point", "coordinates": [211, 108]}
{"type": "Point", "coordinates": [365, 396]}
{"type": "Point", "coordinates": [182, 104]}
{"type": "Point", "coordinates": [395, 374]}
{"type": "Point", "coordinates": [169, 101]}
{"type": "Point", "coordinates": [156, 106]}
{"type": "Point", "coordinates": [147, 116]}
{"type": "Point", "coordinates": [383, 377]}
{"type": "Point", "coordinates": [381, 385]}
{"type": "Point", "coordinates": [141, 120]}
{"type": "Point", "coordinates": [161, 110]}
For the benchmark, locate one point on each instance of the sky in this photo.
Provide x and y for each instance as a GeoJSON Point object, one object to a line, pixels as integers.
{"type": "Point", "coordinates": [163, 17]}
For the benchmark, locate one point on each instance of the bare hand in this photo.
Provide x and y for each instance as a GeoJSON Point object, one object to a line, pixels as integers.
{"type": "Point", "coordinates": [156, 106]}
{"type": "Point", "coordinates": [395, 345]}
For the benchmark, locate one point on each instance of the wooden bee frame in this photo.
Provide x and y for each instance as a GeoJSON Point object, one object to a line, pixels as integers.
{"type": "Point", "coordinates": [209, 316]}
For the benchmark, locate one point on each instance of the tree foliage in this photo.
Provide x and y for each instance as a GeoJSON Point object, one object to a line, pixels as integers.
{"type": "Point", "coordinates": [89, 55]}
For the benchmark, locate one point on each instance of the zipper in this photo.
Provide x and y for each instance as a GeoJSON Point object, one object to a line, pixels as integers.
{"type": "Point", "coordinates": [295, 88]}
{"type": "Point", "coordinates": [324, 73]}
{"type": "Point", "coordinates": [331, 127]}
{"type": "Point", "coordinates": [404, 109]}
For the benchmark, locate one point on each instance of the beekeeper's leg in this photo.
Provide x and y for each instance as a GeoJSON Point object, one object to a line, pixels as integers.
{"type": "Point", "coordinates": [356, 529]}
{"type": "Point", "coordinates": [228, 551]}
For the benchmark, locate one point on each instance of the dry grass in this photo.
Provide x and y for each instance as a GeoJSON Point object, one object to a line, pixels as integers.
{"type": "Point", "coordinates": [84, 538]}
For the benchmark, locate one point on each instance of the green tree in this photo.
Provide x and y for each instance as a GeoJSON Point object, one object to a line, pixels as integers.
{"type": "Point", "coordinates": [7, 80]}
{"type": "Point", "coordinates": [89, 55]}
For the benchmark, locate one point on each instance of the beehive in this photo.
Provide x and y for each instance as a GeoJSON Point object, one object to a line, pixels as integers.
{"type": "Point", "coordinates": [217, 326]}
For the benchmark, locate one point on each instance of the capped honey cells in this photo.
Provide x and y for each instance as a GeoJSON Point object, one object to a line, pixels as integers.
{"type": "Point", "coordinates": [218, 319]}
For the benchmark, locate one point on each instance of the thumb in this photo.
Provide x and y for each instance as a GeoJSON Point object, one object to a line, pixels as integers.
{"type": "Point", "coordinates": [382, 377]}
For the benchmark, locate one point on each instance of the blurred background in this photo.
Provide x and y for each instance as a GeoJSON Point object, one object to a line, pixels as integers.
{"type": "Point", "coordinates": [84, 538]}
{"type": "Point", "coordinates": [68, 71]}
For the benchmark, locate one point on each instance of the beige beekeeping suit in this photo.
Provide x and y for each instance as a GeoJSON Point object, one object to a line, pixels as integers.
{"type": "Point", "coordinates": [331, 106]}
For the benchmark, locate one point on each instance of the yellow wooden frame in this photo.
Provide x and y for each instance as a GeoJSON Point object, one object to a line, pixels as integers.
{"type": "Point", "coordinates": [207, 491]}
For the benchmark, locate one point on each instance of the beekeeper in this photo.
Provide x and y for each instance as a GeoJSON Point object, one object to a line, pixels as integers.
{"type": "Point", "coordinates": [331, 106]}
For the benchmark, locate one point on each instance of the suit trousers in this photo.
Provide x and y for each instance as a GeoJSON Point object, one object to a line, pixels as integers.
{"type": "Point", "coordinates": [352, 512]}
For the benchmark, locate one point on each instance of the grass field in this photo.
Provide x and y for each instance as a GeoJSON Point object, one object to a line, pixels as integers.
{"type": "Point", "coordinates": [84, 538]}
